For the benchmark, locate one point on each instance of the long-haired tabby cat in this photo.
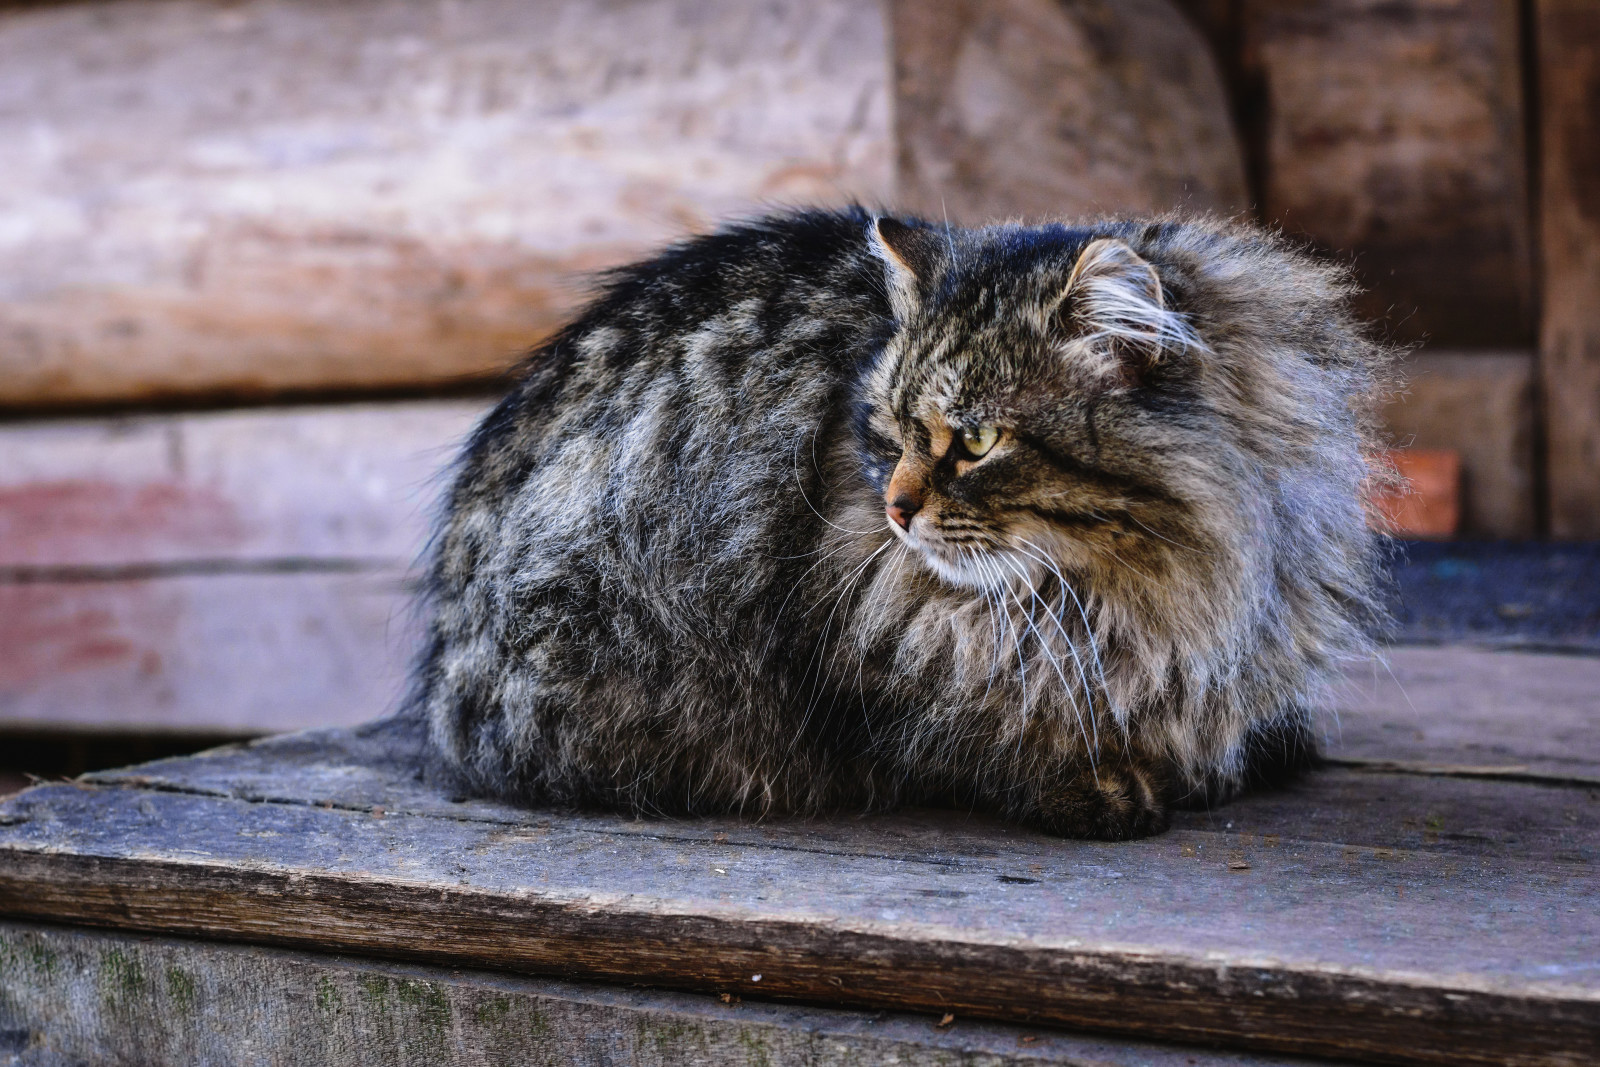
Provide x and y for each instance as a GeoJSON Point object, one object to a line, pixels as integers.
{"type": "Point", "coordinates": [832, 512]}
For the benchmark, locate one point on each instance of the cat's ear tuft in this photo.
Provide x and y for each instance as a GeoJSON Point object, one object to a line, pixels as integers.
{"type": "Point", "coordinates": [1115, 309]}
{"type": "Point", "coordinates": [911, 256]}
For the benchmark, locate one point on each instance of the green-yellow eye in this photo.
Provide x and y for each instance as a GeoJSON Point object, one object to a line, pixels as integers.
{"type": "Point", "coordinates": [977, 440]}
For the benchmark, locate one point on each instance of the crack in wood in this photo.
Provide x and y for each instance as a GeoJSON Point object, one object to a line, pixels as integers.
{"type": "Point", "coordinates": [1456, 770]}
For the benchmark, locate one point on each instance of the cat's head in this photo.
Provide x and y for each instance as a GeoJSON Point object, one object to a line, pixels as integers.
{"type": "Point", "coordinates": [1039, 406]}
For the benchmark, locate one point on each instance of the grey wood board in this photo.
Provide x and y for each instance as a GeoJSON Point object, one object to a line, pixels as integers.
{"type": "Point", "coordinates": [1462, 707]}
{"type": "Point", "coordinates": [1386, 940]}
{"type": "Point", "coordinates": [377, 766]}
{"type": "Point", "coordinates": [74, 995]}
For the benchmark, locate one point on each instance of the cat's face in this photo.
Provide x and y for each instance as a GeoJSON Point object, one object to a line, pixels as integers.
{"type": "Point", "coordinates": [1010, 427]}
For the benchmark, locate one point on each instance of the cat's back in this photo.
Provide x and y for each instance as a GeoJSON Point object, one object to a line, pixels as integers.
{"type": "Point", "coordinates": [651, 464]}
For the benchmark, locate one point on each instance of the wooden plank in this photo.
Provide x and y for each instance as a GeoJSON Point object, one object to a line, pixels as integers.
{"type": "Point", "coordinates": [387, 192]}
{"type": "Point", "coordinates": [376, 767]}
{"type": "Point", "coordinates": [1037, 108]}
{"type": "Point", "coordinates": [1392, 132]}
{"type": "Point", "coordinates": [1503, 712]}
{"type": "Point", "coordinates": [247, 652]}
{"type": "Point", "coordinates": [351, 482]}
{"type": "Point", "coordinates": [1569, 202]}
{"type": "Point", "coordinates": [234, 571]}
{"type": "Point", "coordinates": [105, 997]}
{"type": "Point", "coordinates": [1448, 950]}
{"type": "Point", "coordinates": [1480, 406]}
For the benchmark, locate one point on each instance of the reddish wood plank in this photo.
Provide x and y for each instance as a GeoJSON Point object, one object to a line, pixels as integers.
{"type": "Point", "coordinates": [1480, 406]}
{"type": "Point", "coordinates": [353, 482]}
{"type": "Point", "coordinates": [1427, 503]}
{"type": "Point", "coordinates": [218, 652]}
{"type": "Point", "coordinates": [1569, 345]}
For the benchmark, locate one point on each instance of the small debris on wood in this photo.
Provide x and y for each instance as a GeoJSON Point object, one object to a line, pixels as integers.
{"type": "Point", "coordinates": [730, 998]}
{"type": "Point", "coordinates": [377, 811]}
{"type": "Point", "coordinates": [718, 870]}
{"type": "Point", "coordinates": [755, 978]}
{"type": "Point", "coordinates": [944, 1023]}
{"type": "Point", "coordinates": [719, 838]}
{"type": "Point", "coordinates": [1238, 865]}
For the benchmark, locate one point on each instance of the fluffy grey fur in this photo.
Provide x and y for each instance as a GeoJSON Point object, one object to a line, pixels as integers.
{"type": "Point", "coordinates": [828, 512]}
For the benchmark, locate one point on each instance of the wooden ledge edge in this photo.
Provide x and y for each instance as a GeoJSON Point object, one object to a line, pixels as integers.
{"type": "Point", "coordinates": [1278, 1009]}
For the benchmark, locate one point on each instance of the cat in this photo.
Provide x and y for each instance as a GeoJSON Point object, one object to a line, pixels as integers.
{"type": "Point", "coordinates": [828, 511]}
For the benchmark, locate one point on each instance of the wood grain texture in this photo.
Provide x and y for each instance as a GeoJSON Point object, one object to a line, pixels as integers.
{"type": "Point", "coordinates": [1383, 940]}
{"type": "Point", "coordinates": [245, 652]}
{"type": "Point", "coordinates": [382, 191]}
{"type": "Point", "coordinates": [97, 497]}
{"type": "Point", "coordinates": [1569, 341]}
{"type": "Point", "coordinates": [247, 570]}
{"type": "Point", "coordinates": [1503, 712]}
{"type": "Point", "coordinates": [1037, 108]}
{"type": "Point", "coordinates": [1392, 132]}
{"type": "Point", "coordinates": [88, 996]}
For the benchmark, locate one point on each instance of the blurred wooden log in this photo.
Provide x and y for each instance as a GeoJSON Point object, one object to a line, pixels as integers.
{"type": "Point", "coordinates": [1478, 405]}
{"type": "Point", "coordinates": [1038, 108]}
{"type": "Point", "coordinates": [1391, 130]}
{"type": "Point", "coordinates": [252, 197]}
{"type": "Point", "coordinates": [1569, 353]}
{"type": "Point", "coordinates": [277, 195]}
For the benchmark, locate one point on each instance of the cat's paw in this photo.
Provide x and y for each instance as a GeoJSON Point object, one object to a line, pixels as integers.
{"type": "Point", "coordinates": [1109, 803]}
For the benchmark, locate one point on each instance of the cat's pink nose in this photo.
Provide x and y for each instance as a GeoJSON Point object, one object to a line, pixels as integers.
{"type": "Point", "coordinates": [902, 509]}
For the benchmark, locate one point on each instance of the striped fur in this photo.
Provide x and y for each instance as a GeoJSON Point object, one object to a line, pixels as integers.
{"type": "Point", "coordinates": [665, 580]}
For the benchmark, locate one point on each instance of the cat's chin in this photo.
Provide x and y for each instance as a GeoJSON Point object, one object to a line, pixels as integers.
{"type": "Point", "coordinates": [977, 573]}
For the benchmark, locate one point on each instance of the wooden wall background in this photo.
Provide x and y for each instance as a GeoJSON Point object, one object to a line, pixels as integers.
{"type": "Point", "coordinates": [262, 262]}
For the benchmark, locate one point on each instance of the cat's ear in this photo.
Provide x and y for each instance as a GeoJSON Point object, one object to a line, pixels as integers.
{"type": "Point", "coordinates": [911, 255]}
{"type": "Point", "coordinates": [1115, 311]}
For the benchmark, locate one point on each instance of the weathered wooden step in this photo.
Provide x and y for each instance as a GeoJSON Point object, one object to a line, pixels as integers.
{"type": "Point", "coordinates": [72, 996]}
{"type": "Point", "coordinates": [1386, 917]}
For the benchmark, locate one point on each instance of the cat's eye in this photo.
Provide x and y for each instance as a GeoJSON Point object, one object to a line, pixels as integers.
{"type": "Point", "coordinates": [977, 440]}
